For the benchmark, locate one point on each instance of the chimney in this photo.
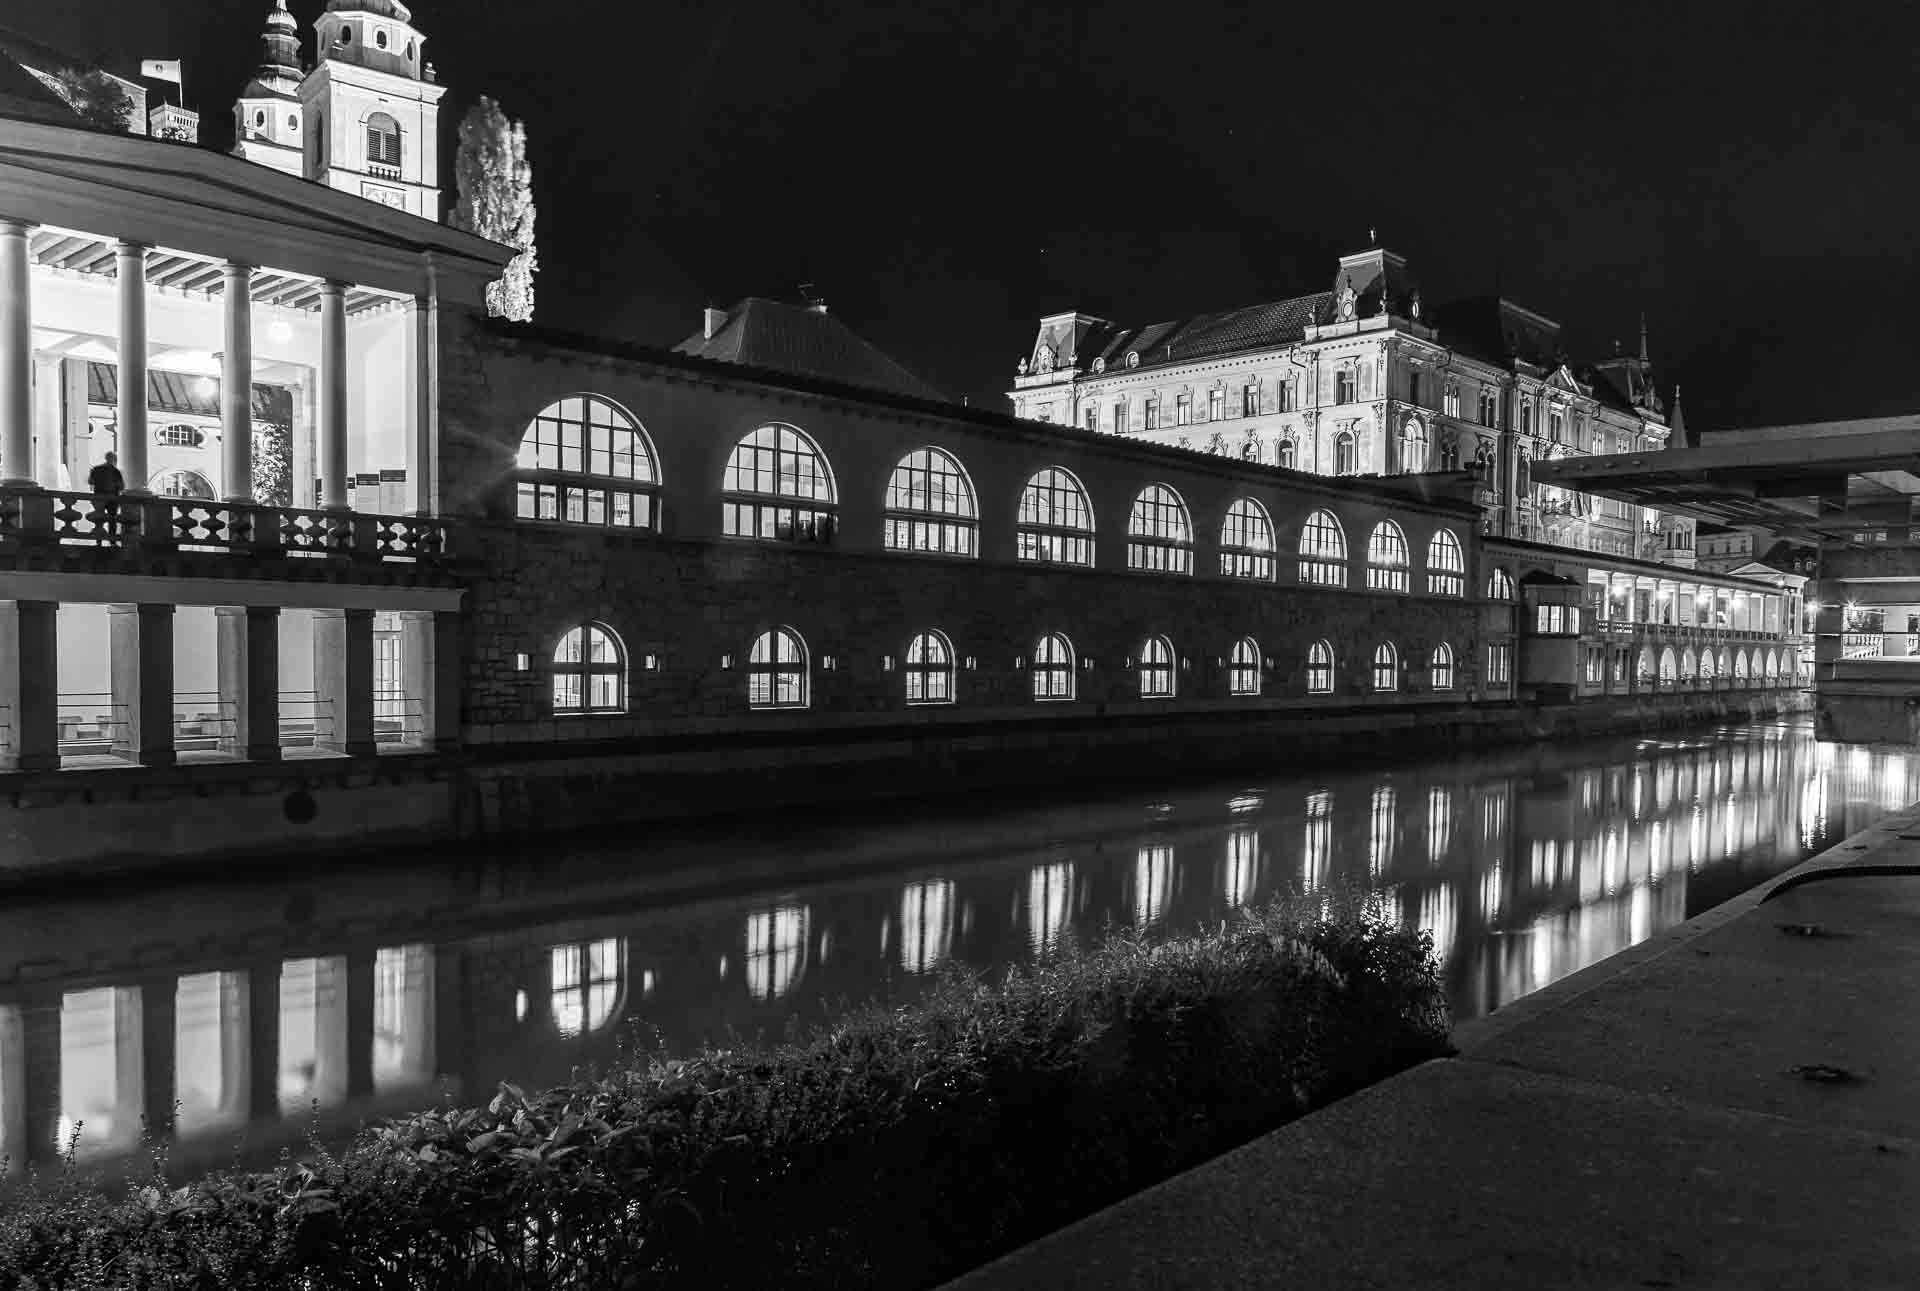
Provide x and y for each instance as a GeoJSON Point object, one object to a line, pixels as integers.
{"type": "Point", "coordinates": [713, 321]}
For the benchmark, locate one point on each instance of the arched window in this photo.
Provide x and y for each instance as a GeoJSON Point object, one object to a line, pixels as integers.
{"type": "Point", "coordinates": [1413, 446]}
{"type": "Point", "coordinates": [1449, 451]}
{"type": "Point", "coordinates": [777, 670]}
{"type": "Point", "coordinates": [182, 483]}
{"type": "Point", "coordinates": [930, 506]}
{"type": "Point", "coordinates": [1773, 666]}
{"type": "Point", "coordinates": [1159, 536]}
{"type": "Point", "coordinates": [781, 488]}
{"type": "Point", "coordinates": [1053, 667]}
{"type": "Point", "coordinates": [1320, 668]}
{"type": "Point", "coordinates": [1243, 668]}
{"type": "Point", "coordinates": [1386, 667]}
{"type": "Point", "coordinates": [1740, 666]}
{"type": "Point", "coordinates": [1056, 520]}
{"type": "Point", "coordinates": [1387, 558]}
{"type": "Point", "coordinates": [587, 984]}
{"type": "Point", "coordinates": [1289, 455]}
{"type": "Point", "coordinates": [1346, 454]}
{"type": "Point", "coordinates": [1499, 585]}
{"type": "Point", "coordinates": [1688, 669]}
{"type": "Point", "coordinates": [1446, 565]}
{"type": "Point", "coordinates": [929, 669]}
{"type": "Point", "coordinates": [1442, 669]}
{"type": "Point", "coordinates": [584, 460]}
{"type": "Point", "coordinates": [1709, 669]}
{"type": "Point", "coordinates": [589, 671]}
{"type": "Point", "coordinates": [1323, 551]}
{"type": "Point", "coordinates": [1725, 667]}
{"type": "Point", "coordinates": [383, 140]}
{"type": "Point", "coordinates": [1156, 669]}
{"type": "Point", "coordinates": [1246, 541]}
{"type": "Point", "coordinates": [1668, 668]}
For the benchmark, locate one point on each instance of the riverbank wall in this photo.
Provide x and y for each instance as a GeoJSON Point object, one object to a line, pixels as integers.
{"type": "Point", "coordinates": [112, 818]}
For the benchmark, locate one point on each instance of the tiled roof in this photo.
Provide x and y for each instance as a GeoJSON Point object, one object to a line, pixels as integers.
{"type": "Point", "coordinates": [1207, 335]}
{"type": "Point", "coordinates": [803, 341]}
{"type": "Point", "coordinates": [171, 392]}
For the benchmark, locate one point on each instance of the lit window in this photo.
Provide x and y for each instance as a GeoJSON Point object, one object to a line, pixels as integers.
{"type": "Point", "coordinates": [1183, 410]}
{"type": "Point", "coordinates": [781, 487]}
{"type": "Point", "coordinates": [1346, 454]}
{"type": "Point", "coordinates": [929, 670]}
{"type": "Point", "coordinates": [1323, 551]}
{"type": "Point", "coordinates": [1156, 669]}
{"type": "Point", "coordinates": [1216, 405]}
{"type": "Point", "coordinates": [1442, 669]}
{"type": "Point", "coordinates": [930, 506]}
{"type": "Point", "coordinates": [1056, 520]}
{"type": "Point", "coordinates": [777, 670]}
{"type": "Point", "coordinates": [1499, 664]}
{"type": "Point", "coordinates": [1053, 667]}
{"type": "Point", "coordinates": [1246, 541]}
{"type": "Point", "coordinates": [1386, 667]}
{"type": "Point", "coordinates": [383, 140]}
{"type": "Point", "coordinates": [182, 483]}
{"type": "Point", "coordinates": [1446, 565]}
{"type": "Point", "coordinates": [1387, 558]}
{"type": "Point", "coordinates": [1243, 668]}
{"type": "Point", "coordinates": [1288, 455]}
{"type": "Point", "coordinates": [587, 984]}
{"type": "Point", "coordinates": [589, 672]}
{"type": "Point", "coordinates": [585, 461]}
{"type": "Point", "coordinates": [1413, 446]}
{"type": "Point", "coordinates": [1159, 536]}
{"type": "Point", "coordinates": [1450, 401]}
{"type": "Point", "coordinates": [1489, 407]}
{"type": "Point", "coordinates": [1320, 669]}
{"type": "Point", "coordinates": [1499, 586]}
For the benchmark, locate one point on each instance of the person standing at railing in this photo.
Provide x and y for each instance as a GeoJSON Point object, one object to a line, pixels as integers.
{"type": "Point", "coordinates": [107, 484]}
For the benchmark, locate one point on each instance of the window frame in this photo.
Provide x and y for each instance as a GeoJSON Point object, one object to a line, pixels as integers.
{"type": "Point", "coordinates": [956, 526]}
{"type": "Point", "coordinates": [373, 134]}
{"type": "Point", "coordinates": [555, 493]}
{"type": "Point", "coordinates": [1249, 547]}
{"type": "Point", "coordinates": [586, 670]}
{"type": "Point", "coordinates": [1446, 564]}
{"type": "Point", "coordinates": [1389, 563]}
{"type": "Point", "coordinates": [1243, 669]}
{"type": "Point", "coordinates": [1158, 665]}
{"type": "Point", "coordinates": [1386, 664]}
{"type": "Point", "coordinates": [1346, 453]}
{"type": "Point", "coordinates": [1322, 561]}
{"type": "Point", "coordinates": [1159, 531]}
{"type": "Point", "coordinates": [779, 514]}
{"type": "Point", "coordinates": [1440, 667]}
{"type": "Point", "coordinates": [1320, 668]}
{"type": "Point", "coordinates": [1048, 541]}
{"type": "Point", "coordinates": [1055, 680]}
{"type": "Point", "coordinates": [765, 675]}
{"type": "Point", "coordinates": [923, 671]}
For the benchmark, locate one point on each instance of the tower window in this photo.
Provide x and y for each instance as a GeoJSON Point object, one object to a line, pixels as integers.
{"type": "Point", "coordinates": [346, 35]}
{"type": "Point", "coordinates": [383, 140]}
{"type": "Point", "coordinates": [260, 119]}
{"type": "Point", "coordinates": [380, 38]}
{"type": "Point", "coordinates": [293, 121]}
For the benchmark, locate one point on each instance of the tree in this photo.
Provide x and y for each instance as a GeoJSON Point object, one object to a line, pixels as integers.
{"type": "Point", "coordinates": [96, 97]}
{"type": "Point", "coordinates": [496, 201]}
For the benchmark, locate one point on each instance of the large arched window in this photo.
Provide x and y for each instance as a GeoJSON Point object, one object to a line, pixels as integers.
{"type": "Point", "coordinates": [1320, 668]}
{"type": "Point", "coordinates": [1243, 668]}
{"type": "Point", "coordinates": [1442, 668]}
{"type": "Point", "coordinates": [929, 669]}
{"type": "Point", "coordinates": [1346, 454]}
{"type": "Point", "coordinates": [1056, 520]}
{"type": "Point", "coordinates": [1708, 670]}
{"type": "Point", "coordinates": [779, 488]}
{"type": "Point", "coordinates": [1668, 666]}
{"type": "Point", "coordinates": [587, 984]}
{"type": "Point", "coordinates": [1053, 667]}
{"type": "Point", "coordinates": [1323, 551]}
{"type": "Point", "coordinates": [1499, 585]}
{"type": "Point", "coordinates": [1446, 565]}
{"type": "Point", "coordinates": [1413, 446]}
{"type": "Point", "coordinates": [1386, 667]}
{"type": "Point", "coordinates": [383, 140]}
{"type": "Point", "coordinates": [777, 670]}
{"type": "Point", "coordinates": [584, 460]}
{"type": "Point", "coordinates": [1740, 666]}
{"type": "Point", "coordinates": [1157, 667]}
{"type": "Point", "coordinates": [1289, 455]}
{"type": "Point", "coordinates": [1387, 558]}
{"type": "Point", "coordinates": [1159, 536]}
{"type": "Point", "coordinates": [1246, 541]}
{"type": "Point", "coordinates": [1687, 668]}
{"type": "Point", "coordinates": [930, 506]}
{"type": "Point", "coordinates": [589, 671]}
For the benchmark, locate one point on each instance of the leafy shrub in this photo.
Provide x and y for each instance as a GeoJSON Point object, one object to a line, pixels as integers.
{"type": "Point", "coordinates": [892, 1148]}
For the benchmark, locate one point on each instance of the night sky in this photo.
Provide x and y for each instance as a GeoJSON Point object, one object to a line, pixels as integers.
{"type": "Point", "coordinates": [948, 172]}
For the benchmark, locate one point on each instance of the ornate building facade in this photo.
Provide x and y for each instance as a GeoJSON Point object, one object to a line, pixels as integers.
{"type": "Point", "coordinates": [1365, 380]}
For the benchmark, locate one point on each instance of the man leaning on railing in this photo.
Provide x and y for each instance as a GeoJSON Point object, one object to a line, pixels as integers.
{"type": "Point", "coordinates": [107, 483]}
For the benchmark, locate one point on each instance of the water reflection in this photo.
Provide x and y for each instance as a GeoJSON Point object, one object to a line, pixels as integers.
{"type": "Point", "coordinates": [1522, 868]}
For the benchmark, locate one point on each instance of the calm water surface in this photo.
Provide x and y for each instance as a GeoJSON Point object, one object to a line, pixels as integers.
{"type": "Point", "coordinates": [248, 1001]}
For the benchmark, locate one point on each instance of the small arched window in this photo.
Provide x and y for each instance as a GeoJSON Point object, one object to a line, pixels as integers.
{"type": "Point", "coordinates": [1323, 551]}
{"type": "Point", "coordinates": [1386, 667]}
{"type": "Point", "coordinates": [1289, 455]}
{"type": "Point", "coordinates": [589, 671]}
{"type": "Point", "coordinates": [1246, 542]}
{"type": "Point", "coordinates": [1056, 520]}
{"type": "Point", "coordinates": [182, 483]}
{"type": "Point", "coordinates": [1156, 669]}
{"type": "Point", "coordinates": [587, 984]}
{"type": "Point", "coordinates": [1449, 452]}
{"type": "Point", "coordinates": [1413, 446]}
{"type": "Point", "coordinates": [1646, 663]}
{"type": "Point", "coordinates": [1740, 666]}
{"type": "Point", "coordinates": [1320, 668]}
{"type": "Point", "coordinates": [1687, 667]}
{"type": "Point", "coordinates": [1499, 585]}
{"type": "Point", "coordinates": [777, 670]}
{"type": "Point", "coordinates": [1708, 669]}
{"type": "Point", "coordinates": [929, 669]}
{"type": "Point", "coordinates": [1668, 668]}
{"type": "Point", "coordinates": [1159, 535]}
{"type": "Point", "coordinates": [1346, 454]}
{"type": "Point", "coordinates": [1442, 668]}
{"type": "Point", "coordinates": [930, 506]}
{"type": "Point", "coordinates": [383, 140]}
{"type": "Point", "coordinates": [1773, 666]}
{"type": "Point", "coordinates": [1387, 558]}
{"type": "Point", "coordinates": [1243, 668]}
{"type": "Point", "coordinates": [585, 461]}
{"type": "Point", "coordinates": [779, 487]}
{"type": "Point", "coordinates": [1446, 565]}
{"type": "Point", "coordinates": [1053, 667]}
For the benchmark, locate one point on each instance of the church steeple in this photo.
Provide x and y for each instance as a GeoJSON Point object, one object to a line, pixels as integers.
{"type": "Point", "coordinates": [267, 119]}
{"type": "Point", "coordinates": [280, 50]}
{"type": "Point", "coordinates": [1643, 338]}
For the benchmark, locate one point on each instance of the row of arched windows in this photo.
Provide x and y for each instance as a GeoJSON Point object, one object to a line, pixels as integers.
{"type": "Point", "coordinates": [584, 460]}
{"type": "Point", "coordinates": [1767, 665]}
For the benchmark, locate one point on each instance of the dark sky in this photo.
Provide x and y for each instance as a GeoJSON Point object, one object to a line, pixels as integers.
{"type": "Point", "coordinates": [947, 172]}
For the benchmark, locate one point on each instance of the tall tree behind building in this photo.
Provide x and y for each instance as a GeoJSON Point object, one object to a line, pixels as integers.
{"type": "Point", "coordinates": [496, 201]}
{"type": "Point", "coordinates": [94, 95]}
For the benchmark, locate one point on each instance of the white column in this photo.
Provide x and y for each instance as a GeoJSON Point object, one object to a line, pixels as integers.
{"type": "Point", "coordinates": [132, 411]}
{"type": "Point", "coordinates": [16, 356]}
{"type": "Point", "coordinates": [333, 395]}
{"type": "Point", "coordinates": [236, 386]}
{"type": "Point", "coordinates": [48, 419]}
{"type": "Point", "coordinates": [426, 404]}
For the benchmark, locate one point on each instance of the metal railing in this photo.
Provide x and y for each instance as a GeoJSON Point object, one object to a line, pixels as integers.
{"type": "Point", "coordinates": [398, 717]}
{"type": "Point", "coordinates": [305, 718]}
{"type": "Point", "coordinates": [201, 719]}
{"type": "Point", "coordinates": [89, 721]}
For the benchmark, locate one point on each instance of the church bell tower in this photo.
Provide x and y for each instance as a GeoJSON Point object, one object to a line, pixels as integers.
{"type": "Point", "coordinates": [370, 109]}
{"type": "Point", "coordinates": [268, 119]}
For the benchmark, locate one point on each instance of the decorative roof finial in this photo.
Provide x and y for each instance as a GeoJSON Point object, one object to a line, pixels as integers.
{"type": "Point", "coordinates": [1643, 337]}
{"type": "Point", "coordinates": [1373, 236]}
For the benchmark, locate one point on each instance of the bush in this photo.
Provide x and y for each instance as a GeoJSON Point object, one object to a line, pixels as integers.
{"type": "Point", "coordinates": [892, 1148]}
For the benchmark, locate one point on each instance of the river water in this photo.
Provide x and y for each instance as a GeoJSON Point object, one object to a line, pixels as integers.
{"type": "Point", "coordinates": [246, 1001]}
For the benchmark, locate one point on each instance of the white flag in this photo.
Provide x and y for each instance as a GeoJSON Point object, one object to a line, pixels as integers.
{"type": "Point", "coordinates": [161, 69]}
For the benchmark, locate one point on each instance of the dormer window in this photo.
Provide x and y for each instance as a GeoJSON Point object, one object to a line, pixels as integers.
{"type": "Point", "coordinates": [1099, 366]}
{"type": "Point", "coordinates": [1043, 361]}
{"type": "Point", "coordinates": [1133, 358]}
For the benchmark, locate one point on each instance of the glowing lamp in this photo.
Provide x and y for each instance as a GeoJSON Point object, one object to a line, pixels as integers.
{"type": "Point", "coordinates": [280, 331]}
{"type": "Point", "coordinates": [205, 387]}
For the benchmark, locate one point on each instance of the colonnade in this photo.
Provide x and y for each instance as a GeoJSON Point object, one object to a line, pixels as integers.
{"type": "Point", "coordinates": [1632, 598]}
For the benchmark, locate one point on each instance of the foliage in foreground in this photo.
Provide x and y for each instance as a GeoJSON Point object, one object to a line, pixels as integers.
{"type": "Point", "coordinates": [893, 1148]}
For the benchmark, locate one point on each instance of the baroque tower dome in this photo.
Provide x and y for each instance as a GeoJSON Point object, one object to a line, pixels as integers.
{"type": "Point", "coordinates": [381, 8]}
{"type": "Point", "coordinates": [279, 51]}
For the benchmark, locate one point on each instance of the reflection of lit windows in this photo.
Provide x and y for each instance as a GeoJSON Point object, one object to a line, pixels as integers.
{"type": "Point", "coordinates": [1639, 916]}
{"type": "Point", "coordinates": [1380, 831]}
{"type": "Point", "coordinates": [1438, 917]}
{"type": "Point", "coordinates": [587, 983]}
{"type": "Point", "coordinates": [1152, 884]}
{"type": "Point", "coordinates": [1492, 888]}
{"type": "Point", "coordinates": [926, 925]}
{"type": "Point", "coordinates": [1317, 852]}
{"type": "Point", "coordinates": [210, 1051]}
{"type": "Point", "coordinates": [1439, 823]}
{"type": "Point", "coordinates": [776, 951]}
{"type": "Point", "coordinates": [313, 1033]}
{"type": "Point", "coordinates": [402, 1015]}
{"type": "Point", "coordinates": [1049, 905]}
{"type": "Point", "coordinates": [1243, 866]}
{"type": "Point", "coordinates": [100, 1069]}
{"type": "Point", "coordinates": [1493, 816]}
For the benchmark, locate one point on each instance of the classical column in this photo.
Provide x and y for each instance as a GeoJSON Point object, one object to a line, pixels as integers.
{"type": "Point", "coordinates": [132, 411]}
{"type": "Point", "coordinates": [140, 643]}
{"type": "Point", "coordinates": [343, 679]}
{"type": "Point", "coordinates": [333, 395]}
{"type": "Point", "coordinates": [249, 672]}
{"type": "Point", "coordinates": [29, 671]}
{"type": "Point", "coordinates": [430, 674]}
{"type": "Point", "coordinates": [426, 404]}
{"type": "Point", "coordinates": [236, 386]}
{"type": "Point", "coordinates": [16, 356]}
{"type": "Point", "coordinates": [48, 421]}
